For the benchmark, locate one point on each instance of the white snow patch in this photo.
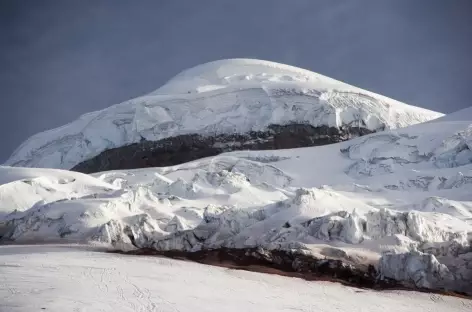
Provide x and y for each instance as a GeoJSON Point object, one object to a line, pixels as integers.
{"type": "Point", "coordinates": [57, 279]}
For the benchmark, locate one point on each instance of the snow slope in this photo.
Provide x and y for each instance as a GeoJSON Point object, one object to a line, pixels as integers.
{"type": "Point", "coordinates": [400, 200]}
{"type": "Point", "coordinates": [51, 278]}
{"type": "Point", "coordinates": [461, 115]}
{"type": "Point", "coordinates": [229, 96]}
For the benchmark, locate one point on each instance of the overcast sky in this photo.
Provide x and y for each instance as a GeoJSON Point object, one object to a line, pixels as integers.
{"type": "Point", "coordinates": [60, 59]}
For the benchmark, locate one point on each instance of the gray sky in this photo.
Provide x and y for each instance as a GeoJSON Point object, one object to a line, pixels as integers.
{"type": "Point", "coordinates": [60, 59]}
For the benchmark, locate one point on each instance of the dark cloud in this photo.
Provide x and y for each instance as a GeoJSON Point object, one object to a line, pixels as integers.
{"type": "Point", "coordinates": [60, 59]}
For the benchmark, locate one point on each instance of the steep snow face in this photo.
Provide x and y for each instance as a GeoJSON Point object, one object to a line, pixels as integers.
{"type": "Point", "coordinates": [223, 97]}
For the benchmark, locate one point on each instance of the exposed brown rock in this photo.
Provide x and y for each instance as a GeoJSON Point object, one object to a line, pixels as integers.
{"type": "Point", "coordinates": [291, 264]}
{"type": "Point", "coordinates": [184, 148]}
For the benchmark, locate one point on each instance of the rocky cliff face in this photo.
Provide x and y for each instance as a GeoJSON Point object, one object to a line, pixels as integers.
{"type": "Point", "coordinates": [184, 148]}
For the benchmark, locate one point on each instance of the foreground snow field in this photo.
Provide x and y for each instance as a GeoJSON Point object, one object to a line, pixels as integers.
{"type": "Point", "coordinates": [58, 279]}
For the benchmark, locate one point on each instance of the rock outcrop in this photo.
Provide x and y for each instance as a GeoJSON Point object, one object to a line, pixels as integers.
{"type": "Point", "coordinates": [185, 148]}
{"type": "Point", "coordinates": [428, 275]}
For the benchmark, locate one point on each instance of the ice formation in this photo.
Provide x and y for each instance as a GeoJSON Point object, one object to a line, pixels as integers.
{"type": "Point", "coordinates": [398, 199]}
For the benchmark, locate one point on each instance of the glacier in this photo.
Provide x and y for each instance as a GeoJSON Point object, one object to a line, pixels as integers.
{"type": "Point", "coordinates": [221, 97]}
{"type": "Point", "coordinates": [398, 199]}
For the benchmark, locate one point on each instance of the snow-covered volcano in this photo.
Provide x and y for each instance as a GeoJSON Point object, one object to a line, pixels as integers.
{"type": "Point", "coordinates": [212, 103]}
{"type": "Point", "coordinates": [399, 200]}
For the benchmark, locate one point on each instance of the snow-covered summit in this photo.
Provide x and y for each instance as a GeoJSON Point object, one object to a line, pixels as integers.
{"type": "Point", "coordinates": [236, 72]}
{"type": "Point", "coordinates": [222, 97]}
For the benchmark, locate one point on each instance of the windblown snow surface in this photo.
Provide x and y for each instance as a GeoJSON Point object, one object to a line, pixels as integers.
{"type": "Point", "coordinates": [63, 279]}
{"type": "Point", "coordinates": [400, 200]}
